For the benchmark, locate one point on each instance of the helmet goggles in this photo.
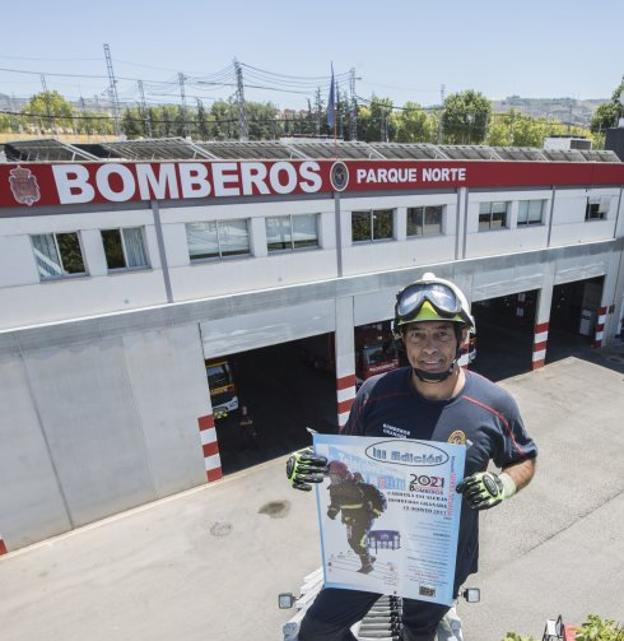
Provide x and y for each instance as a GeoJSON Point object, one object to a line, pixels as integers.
{"type": "Point", "coordinates": [441, 297]}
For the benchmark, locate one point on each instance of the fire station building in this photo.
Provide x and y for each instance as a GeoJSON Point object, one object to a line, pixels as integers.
{"type": "Point", "coordinates": [126, 267]}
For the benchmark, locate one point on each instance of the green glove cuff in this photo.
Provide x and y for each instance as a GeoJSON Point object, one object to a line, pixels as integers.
{"type": "Point", "coordinates": [509, 485]}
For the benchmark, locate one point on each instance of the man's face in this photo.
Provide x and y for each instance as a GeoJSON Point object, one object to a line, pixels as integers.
{"type": "Point", "coordinates": [431, 345]}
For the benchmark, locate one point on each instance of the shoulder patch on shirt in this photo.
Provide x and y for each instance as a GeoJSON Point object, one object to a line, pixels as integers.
{"type": "Point", "coordinates": [457, 438]}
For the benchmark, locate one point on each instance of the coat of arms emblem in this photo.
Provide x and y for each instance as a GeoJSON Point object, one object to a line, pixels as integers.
{"type": "Point", "coordinates": [24, 186]}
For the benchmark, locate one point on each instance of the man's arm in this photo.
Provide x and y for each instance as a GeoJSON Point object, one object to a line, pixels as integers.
{"type": "Point", "coordinates": [484, 490]}
{"type": "Point", "coordinates": [521, 473]}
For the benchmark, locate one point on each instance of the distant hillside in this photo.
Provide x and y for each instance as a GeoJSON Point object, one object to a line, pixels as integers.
{"type": "Point", "coordinates": [568, 110]}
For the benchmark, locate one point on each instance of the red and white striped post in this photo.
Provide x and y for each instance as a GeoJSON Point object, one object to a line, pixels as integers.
{"type": "Point", "coordinates": [210, 447]}
{"type": "Point", "coordinates": [600, 325]}
{"type": "Point", "coordinates": [540, 342]}
{"type": "Point", "coordinates": [345, 394]}
{"type": "Point", "coordinates": [3, 547]}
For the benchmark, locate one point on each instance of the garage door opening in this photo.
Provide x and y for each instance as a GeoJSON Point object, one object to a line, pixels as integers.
{"type": "Point", "coordinates": [573, 317]}
{"type": "Point", "coordinates": [280, 391]}
{"type": "Point", "coordinates": [504, 340]}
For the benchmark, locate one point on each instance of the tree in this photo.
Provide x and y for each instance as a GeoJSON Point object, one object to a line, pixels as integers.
{"type": "Point", "coordinates": [202, 121]}
{"type": "Point", "coordinates": [465, 117]}
{"type": "Point", "coordinates": [132, 123]}
{"type": "Point", "coordinates": [5, 123]}
{"type": "Point", "coordinates": [415, 125]}
{"type": "Point", "coordinates": [608, 114]}
{"type": "Point", "coordinates": [51, 111]}
{"type": "Point", "coordinates": [377, 122]}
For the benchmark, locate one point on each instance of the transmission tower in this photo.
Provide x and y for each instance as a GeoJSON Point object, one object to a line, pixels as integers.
{"type": "Point", "coordinates": [46, 99]}
{"type": "Point", "coordinates": [440, 124]}
{"type": "Point", "coordinates": [319, 111]}
{"type": "Point", "coordinates": [146, 119]}
{"type": "Point", "coordinates": [243, 128]}
{"type": "Point", "coordinates": [112, 89]}
{"type": "Point", "coordinates": [181, 79]}
{"type": "Point", "coordinates": [353, 106]}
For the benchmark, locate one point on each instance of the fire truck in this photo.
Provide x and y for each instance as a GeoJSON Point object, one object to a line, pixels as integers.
{"type": "Point", "coordinates": [223, 392]}
{"type": "Point", "coordinates": [375, 351]}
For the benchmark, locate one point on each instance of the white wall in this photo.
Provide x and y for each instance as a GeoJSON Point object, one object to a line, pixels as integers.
{"type": "Point", "coordinates": [569, 225]}
{"type": "Point", "coordinates": [400, 252]}
{"type": "Point", "coordinates": [260, 270]}
{"type": "Point", "coordinates": [25, 300]}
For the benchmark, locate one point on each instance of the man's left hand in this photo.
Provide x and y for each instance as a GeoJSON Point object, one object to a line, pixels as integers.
{"type": "Point", "coordinates": [484, 490]}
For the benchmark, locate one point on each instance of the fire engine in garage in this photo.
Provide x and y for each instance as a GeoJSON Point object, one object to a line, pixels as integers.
{"type": "Point", "coordinates": [375, 351]}
{"type": "Point", "coordinates": [223, 392]}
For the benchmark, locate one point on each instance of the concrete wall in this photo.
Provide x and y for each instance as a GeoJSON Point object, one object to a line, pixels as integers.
{"type": "Point", "coordinates": [92, 428]}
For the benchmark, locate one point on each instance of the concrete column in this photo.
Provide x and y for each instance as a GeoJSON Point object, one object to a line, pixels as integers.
{"type": "Point", "coordinates": [345, 358]}
{"type": "Point", "coordinates": [542, 317]}
{"type": "Point", "coordinates": [607, 319]}
{"type": "Point", "coordinates": [400, 223]}
{"type": "Point", "coordinates": [257, 236]}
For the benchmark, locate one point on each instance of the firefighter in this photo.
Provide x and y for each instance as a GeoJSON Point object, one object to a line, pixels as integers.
{"type": "Point", "coordinates": [430, 399]}
{"type": "Point", "coordinates": [360, 504]}
{"type": "Point", "coordinates": [248, 433]}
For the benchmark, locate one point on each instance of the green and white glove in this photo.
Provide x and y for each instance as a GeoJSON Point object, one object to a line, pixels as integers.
{"type": "Point", "coordinates": [484, 490]}
{"type": "Point", "coordinates": [304, 467]}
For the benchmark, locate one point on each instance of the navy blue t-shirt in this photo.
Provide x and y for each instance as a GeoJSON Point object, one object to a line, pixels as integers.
{"type": "Point", "coordinates": [483, 416]}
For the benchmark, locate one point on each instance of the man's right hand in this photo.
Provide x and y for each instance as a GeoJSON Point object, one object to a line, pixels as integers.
{"type": "Point", "coordinates": [304, 467]}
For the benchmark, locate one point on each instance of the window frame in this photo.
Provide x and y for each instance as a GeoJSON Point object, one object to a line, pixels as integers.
{"type": "Point", "coordinates": [292, 247]}
{"type": "Point", "coordinates": [116, 270]}
{"type": "Point", "coordinates": [219, 256]}
{"type": "Point", "coordinates": [65, 275]}
{"type": "Point", "coordinates": [371, 222]}
{"type": "Point", "coordinates": [421, 226]}
{"type": "Point", "coordinates": [491, 213]}
{"type": "Point", "coordinates": [602, 213]}
{"type": "Point", "coordinates": [527, 222]}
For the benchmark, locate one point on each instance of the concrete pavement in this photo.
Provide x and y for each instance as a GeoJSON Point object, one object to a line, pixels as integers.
{"type": "Point", "coordinates": [209, 563]}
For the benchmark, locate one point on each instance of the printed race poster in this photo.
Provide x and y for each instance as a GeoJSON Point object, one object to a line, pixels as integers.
{"type": "Point", "coordinates": [389, 515]}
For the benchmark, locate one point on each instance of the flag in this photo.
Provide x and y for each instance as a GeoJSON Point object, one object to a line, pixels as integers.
{"type": "Point", "coordinates": [331, 101]}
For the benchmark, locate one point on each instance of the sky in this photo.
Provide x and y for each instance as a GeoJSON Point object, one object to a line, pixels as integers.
{"type": "Point", "coordinates": [403, 50]}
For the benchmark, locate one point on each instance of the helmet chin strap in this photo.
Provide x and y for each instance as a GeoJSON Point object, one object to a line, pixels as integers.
{"type": "Point", "coordinates": [434, 377]}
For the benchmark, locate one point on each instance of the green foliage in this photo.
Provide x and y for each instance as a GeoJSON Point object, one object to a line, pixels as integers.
{"type": "Point", "coordinates": [512, 636]}
{"type": "Point", "coordinates": [597, 629]}
{"type": "Point", "coordinates": [50, 111]}
{"type": "Point", "coordinates": [465, 118]}
{"type": "Point", "coordinates": [415, 125]}
{"type": "Point", "coordinates": [5, 123]}
{"type": "Point", "coordinates": [608, 114]}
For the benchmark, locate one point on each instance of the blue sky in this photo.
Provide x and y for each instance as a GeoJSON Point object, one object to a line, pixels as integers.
{"type": "Point", "coordinates": [404, 50]}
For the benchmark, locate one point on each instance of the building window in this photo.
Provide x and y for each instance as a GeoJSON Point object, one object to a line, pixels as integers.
{"type": "Point", "coordinates": [124, 248]}
{"type": "Point", "coordinates": [492, 215]}
{"type": "Point", "coordinates": [597, 209]}
{"type": "Point", "coordinates": [58, 255]}
{"type": "Point", "coordinates": [530, 212]}
{"type": "Point", "coordinates": [217, 239]}
{"type": "Point", "coordinates": [375, 224]}
{"type": "Point", "coordinates": [291, 232]}
{"type": "Point", "coordinates": [424, 221]}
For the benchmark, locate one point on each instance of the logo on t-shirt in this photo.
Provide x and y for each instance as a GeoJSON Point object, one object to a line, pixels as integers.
{"type": "Point", "coordinates": [391, 430]}
{"type": "Point", "coordinates": [457, 438]}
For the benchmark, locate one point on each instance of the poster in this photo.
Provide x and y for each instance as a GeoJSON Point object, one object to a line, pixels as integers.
{"type": "Point", "coordinates": [389, 515]}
